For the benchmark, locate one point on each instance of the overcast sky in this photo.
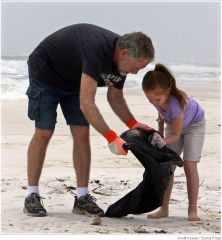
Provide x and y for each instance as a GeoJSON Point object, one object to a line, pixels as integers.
{"type": "Point", "coordinates": [181, 32]}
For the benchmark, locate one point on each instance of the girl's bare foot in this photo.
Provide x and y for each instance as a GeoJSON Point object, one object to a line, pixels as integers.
{"type": "Point", "coordinates": [192, 216]}
{"type": "Point", "coordinates": [158, 213]}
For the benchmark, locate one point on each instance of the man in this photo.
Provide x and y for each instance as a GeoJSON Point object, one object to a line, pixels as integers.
{"type": "Point", "coordinates": [66, 68]}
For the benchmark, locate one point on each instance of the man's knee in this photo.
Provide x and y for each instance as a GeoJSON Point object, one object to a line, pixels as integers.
{"type": "Point", "coordinates": [43, 135]}
{"type": "Point", "coordinates": [80, 133]}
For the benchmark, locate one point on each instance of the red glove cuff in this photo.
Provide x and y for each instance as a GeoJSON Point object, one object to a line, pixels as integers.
{"type": "Point", "coordinates": [110, 136]}
{"type": "Point", "coordinates": [131, 122]}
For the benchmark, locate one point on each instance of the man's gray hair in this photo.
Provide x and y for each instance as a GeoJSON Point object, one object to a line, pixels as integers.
{"type": "Point", "coordinates": [138, 44]}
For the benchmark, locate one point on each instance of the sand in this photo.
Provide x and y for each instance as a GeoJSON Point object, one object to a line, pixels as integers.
{"type": "Point", "coordinates": [111, 176]}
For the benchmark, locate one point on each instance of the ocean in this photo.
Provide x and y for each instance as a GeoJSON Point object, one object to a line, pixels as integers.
{"type": "Point", "coordinates": [14, 76]}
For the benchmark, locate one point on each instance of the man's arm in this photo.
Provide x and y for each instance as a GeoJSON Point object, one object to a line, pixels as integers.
{"type": "Point", "coordinates": [118, 104]}
{"type": "Point", "coordinates": [92, 114]}
{"type": "Point", "coordinates": [87, 104]}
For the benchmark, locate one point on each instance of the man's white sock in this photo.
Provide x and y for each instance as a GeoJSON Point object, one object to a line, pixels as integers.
{"type": "Point", "coordinates": [32, 189]}
{"type": "Point", "coordinates": [81, 191]}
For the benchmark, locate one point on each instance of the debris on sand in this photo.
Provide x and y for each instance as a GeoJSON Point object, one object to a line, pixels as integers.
{"type": "Point", "coordinates": [96, 221]}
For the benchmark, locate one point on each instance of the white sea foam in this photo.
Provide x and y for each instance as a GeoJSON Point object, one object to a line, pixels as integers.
{"type": "Point", "coordinates": [14, 79]}
{"type": "Point", "coordinates": [14, 76]}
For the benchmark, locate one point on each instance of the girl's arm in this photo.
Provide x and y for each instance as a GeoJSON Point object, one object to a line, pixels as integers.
{"type": "Point", "coordinates": [177, 125]}
{"type": "Point", "coordinates": [160, 125]}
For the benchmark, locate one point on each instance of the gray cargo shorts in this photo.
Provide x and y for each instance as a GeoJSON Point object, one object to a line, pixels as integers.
{"type": "Point", "coordinates": [190, 142]}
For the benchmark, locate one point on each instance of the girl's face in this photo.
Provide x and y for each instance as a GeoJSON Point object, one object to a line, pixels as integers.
{"type": "Point", "coordinates": [158, 97]}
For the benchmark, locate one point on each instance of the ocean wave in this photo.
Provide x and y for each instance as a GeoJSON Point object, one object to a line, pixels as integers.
{"type": "Point", "coordinates": [14, 76]}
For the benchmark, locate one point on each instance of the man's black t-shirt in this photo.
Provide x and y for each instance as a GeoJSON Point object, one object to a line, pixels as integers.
{"type": "Point", "coordinates": [62, 57]}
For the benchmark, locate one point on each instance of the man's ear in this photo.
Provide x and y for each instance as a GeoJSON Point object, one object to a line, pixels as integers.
{"type": "Point", "coordinates": [124, 52]}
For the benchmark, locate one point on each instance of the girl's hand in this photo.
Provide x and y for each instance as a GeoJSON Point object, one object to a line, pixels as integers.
{"type": "Point", "coordinates": [158, 141]}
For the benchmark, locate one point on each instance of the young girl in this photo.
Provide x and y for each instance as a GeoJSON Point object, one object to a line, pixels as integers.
{"type": "Point", "coordinates": [185, 131]}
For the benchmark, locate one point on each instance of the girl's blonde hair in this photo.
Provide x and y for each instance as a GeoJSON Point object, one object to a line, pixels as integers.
{"type": "Point", "coordinates": [162, 78]}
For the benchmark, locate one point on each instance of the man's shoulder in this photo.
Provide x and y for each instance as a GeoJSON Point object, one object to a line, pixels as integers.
{"type": "Point", "coordinates": [87, 27]}
{"type": "Point", "coordinates": [92, 27]}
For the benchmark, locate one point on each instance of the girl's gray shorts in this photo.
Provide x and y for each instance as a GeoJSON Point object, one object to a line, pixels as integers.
{"type": "Point", "coordinates": [190, 142]}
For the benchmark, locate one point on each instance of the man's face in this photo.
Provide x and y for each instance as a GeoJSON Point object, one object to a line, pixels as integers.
{"type": "Point", "coordinates": [131, 65]}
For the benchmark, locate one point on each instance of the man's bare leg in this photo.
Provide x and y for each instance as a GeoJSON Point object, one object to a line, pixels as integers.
{"type": "Point", "coordinates": [36, 155]}
{"type": "Point", "coordinates": [81, 154]}
{"type": "Point", "coordinates": [84, 203]}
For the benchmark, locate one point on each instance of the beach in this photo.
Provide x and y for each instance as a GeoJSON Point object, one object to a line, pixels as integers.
{"type": "Point", "coordinates": [111, 176]}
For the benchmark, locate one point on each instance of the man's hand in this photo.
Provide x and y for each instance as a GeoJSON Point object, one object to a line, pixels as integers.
{"type": "Point", "coordinates": [132, 124]}
{"type": "Point", "coordinates": [116, 146]}
{"type": "Point", "coordinates": [141, 125]}
{"type": "Point", "coordinates": [115, 143]}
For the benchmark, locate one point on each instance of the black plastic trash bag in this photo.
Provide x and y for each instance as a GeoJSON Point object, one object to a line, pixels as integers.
{"type": "Point", "coordinates": [159, 165]}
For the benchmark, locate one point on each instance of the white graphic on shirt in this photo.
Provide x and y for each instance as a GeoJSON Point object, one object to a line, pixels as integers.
{"type": "Point", "coordinates": [110, 79]}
